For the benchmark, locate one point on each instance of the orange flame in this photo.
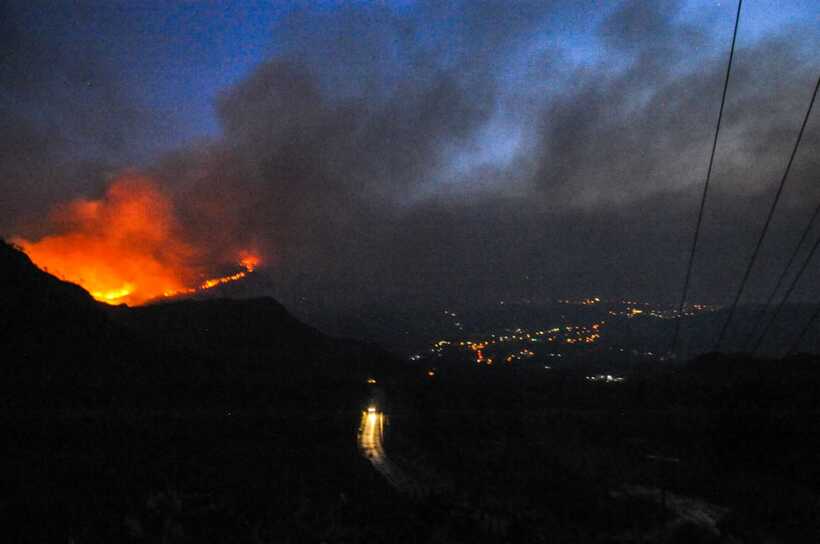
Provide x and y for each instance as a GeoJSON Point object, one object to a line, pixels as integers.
{"type": "Point", "coordinates": [125, 247]}
{"type": "Point", "coordinates": [210, 283]}
{"type": "Point", "coordinates": [248, 260]}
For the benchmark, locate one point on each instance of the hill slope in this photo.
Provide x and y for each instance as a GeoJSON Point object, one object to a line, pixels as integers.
{"type": "Point", "coordinates": [61, 346]}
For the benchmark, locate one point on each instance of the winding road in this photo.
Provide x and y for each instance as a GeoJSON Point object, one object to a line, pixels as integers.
{"type": "Point", "coordinates": [370, 439]}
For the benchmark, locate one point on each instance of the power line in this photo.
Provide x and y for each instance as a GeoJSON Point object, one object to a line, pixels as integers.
{"type": "Point", "coordinates": [768, 221]}
{"type": "Point", "coordinates": [777, 286]}
{"type": "Point", "coordinates": [796, 343]}
{"type": "Point", "coordinates": [693, 250]}
{"type": "Point", "coordinates": [796, 279]}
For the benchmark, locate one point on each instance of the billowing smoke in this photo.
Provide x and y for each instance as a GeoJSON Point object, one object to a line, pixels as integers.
{"type": "Point", "coordinates": [127, 247]}
{"type": "Point", "coordinates": [461, 150]}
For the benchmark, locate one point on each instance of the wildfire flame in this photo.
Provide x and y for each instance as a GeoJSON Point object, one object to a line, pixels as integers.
{"type": "Point", "coordinates": [210, 283]}
{"type": "Point", "coordinates": [126, 247]}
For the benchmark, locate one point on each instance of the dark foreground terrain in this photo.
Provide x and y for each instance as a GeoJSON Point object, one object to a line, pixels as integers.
{"type": "Point", "coordinates": [230, 421]}
{"type": "Point", "coordinates": [683, 455]}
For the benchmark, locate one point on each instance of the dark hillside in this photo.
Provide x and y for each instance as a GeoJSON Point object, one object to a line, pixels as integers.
{"type": "Point", "coordinates": [179, 421]}
{"type": "Point", "coordinates": [61, 347]}
{"type": "Point", "coordinates": [53, 333]}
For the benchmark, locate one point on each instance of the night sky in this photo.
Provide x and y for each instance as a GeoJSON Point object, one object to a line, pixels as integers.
{"type": "Point", "coordinates": [434, 150]}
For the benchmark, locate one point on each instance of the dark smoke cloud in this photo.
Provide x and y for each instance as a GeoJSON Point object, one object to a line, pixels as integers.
{"type": "Point", "coordinates": [67, 119]}
{"type": "Point", "coordinates": [356, 157]}
{"type": "Point", "coordinates": [636, 141]}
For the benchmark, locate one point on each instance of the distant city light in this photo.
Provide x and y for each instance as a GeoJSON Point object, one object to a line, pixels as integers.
{"type": "Point", "coordinates": [606, 378]}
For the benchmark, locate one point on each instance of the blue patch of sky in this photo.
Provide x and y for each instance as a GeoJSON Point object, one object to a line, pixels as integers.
{"type": "Point", "coordinates": [176, 58]}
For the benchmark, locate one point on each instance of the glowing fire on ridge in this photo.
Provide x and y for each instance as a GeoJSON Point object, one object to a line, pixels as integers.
{"type": "Point", "coordinates": [125, 247]}
{"type": "Point", "coordinates": [248, 263]}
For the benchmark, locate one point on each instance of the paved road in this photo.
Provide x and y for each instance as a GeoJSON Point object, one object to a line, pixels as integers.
{"type": "Point", "coordinates": [371, 432]}
{"type": "Point", "coordinates": [371, 445]}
